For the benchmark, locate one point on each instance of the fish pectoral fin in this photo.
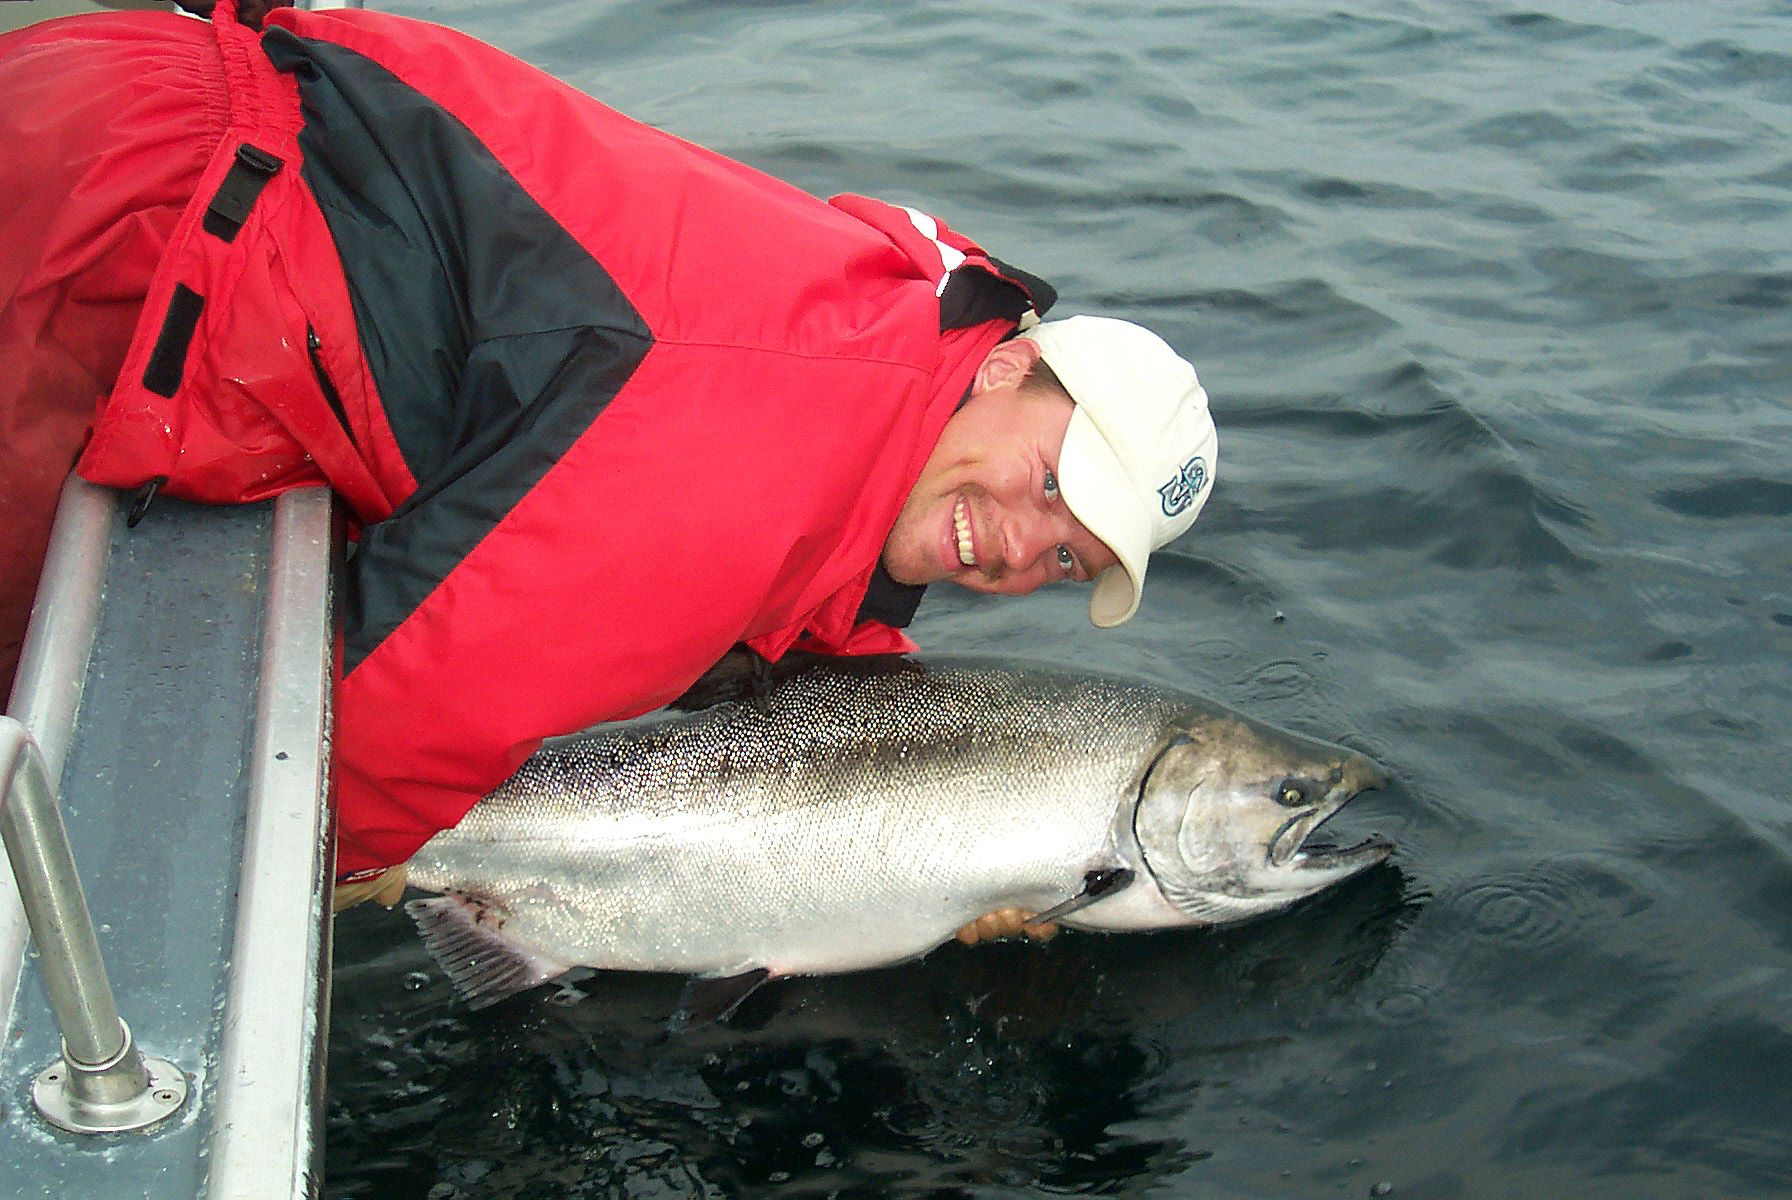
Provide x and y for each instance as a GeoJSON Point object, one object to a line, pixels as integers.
{"type": "Point", "coordinates": [1101, 882]}
{"type": "Point", "coordinates": [709, 998]}
{"type": "Point", "coordinates": [484, 967]}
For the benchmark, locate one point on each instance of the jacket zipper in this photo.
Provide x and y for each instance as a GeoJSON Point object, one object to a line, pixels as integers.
{"type": "Point", "coordinates": [313, 347]}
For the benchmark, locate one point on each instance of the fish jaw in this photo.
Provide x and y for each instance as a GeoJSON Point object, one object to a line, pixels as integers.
{"type": "Point", "coordinates": [1322, 866]}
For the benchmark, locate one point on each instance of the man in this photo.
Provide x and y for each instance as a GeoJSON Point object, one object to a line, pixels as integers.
{"type": "Point", "coordinates": [600, 404]}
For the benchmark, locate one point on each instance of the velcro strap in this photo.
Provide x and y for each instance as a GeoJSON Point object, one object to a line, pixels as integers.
{"type": "Point", "coordinates": [168, 361]}
{"type": "Point", "coordinates": [253, 167]}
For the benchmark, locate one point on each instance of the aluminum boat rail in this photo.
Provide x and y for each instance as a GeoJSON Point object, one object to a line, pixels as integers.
{"type": "Point", "coordinates": [171, 714]}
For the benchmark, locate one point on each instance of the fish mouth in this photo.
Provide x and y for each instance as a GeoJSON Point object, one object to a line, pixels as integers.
{"type": "Point", "coordinates": [1292, 848]}
{"type": "Point", "coordinates": [1348, 860]}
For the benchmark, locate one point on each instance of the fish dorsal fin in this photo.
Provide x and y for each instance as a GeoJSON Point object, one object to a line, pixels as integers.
{"type": "Point", "coordinates": [709, 998]}
{"type": "Point", "coordinates": [484, 967]}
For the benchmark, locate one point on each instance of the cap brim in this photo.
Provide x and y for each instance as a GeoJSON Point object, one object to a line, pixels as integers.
{"type": "Point", "coordinates": [1102, 496]}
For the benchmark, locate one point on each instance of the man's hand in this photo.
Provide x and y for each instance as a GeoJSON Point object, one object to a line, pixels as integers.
{"type": "Point", "coordinates": [384, 888]}
{"type": "Point", "coordinates": [1005, 922]}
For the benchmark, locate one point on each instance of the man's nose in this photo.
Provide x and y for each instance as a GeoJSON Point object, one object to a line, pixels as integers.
{"type": "Point", "coordinates": [1025, 541]}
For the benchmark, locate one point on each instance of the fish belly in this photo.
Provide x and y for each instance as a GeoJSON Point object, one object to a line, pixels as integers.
{"type": "Point", "coordinates": [817, 889]}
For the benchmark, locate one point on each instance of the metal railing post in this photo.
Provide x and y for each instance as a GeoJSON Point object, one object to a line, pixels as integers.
{"type": "Point", "coordinates": [103, 1083]}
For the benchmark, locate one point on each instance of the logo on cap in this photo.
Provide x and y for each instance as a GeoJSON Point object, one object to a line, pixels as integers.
{"type": "Point", "coordinates": [1184, 486]}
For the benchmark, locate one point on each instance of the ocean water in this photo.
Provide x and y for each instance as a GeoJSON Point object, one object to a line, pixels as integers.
{"type": "Point", "coordinates": [1494, 302]}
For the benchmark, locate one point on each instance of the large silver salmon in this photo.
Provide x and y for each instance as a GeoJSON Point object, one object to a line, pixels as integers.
{"type": "Point", "coordinates": [859, 811]}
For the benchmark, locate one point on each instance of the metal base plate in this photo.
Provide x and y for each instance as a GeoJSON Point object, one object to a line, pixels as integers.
{"type": "Point", "coordinates": [57, 1103]}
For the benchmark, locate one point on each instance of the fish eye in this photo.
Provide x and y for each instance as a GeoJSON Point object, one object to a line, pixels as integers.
{"type": "Point", "coordinates": [1051, 484]}
{"type": "Point", "coordinates": [1292, 793]}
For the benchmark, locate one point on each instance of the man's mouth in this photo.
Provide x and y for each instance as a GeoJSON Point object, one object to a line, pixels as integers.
{"type": "Point", "coordinates": [961, 526]}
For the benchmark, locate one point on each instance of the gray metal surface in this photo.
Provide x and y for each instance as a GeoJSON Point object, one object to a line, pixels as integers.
{"type": "Point", "coordinates": [155, 789]}
{"type": "Point", "coordinates": [270, 1088]}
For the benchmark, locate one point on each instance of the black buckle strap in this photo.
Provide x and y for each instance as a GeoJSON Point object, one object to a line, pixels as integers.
{"type": "Point", "coordinates": [253, 167]}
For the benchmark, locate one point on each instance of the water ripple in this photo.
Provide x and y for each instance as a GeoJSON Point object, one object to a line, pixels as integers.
{"type": "Point", "coordinates": [1276, 680]}
{"type": "Point", "coordinates": [1444, 481]}
{"type": "Point", "coordinates": [1724, 499]}
{"type": "Point", "coordinates": [1532, 909]}
{"type": "Point", "coordinates": [1521, 922]}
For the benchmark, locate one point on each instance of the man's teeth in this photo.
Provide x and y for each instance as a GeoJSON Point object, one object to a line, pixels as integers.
{"type": "Point", "coordinates": [961, 525]}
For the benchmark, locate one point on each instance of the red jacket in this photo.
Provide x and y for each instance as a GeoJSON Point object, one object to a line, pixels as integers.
{"type": "Point", "coordinates": [601, 403]}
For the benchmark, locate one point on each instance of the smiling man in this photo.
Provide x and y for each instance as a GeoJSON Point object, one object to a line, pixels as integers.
{"type": "Point", "coordinates": [600, 404]}
{"type": "Point", "coordinates": [1083, 445]}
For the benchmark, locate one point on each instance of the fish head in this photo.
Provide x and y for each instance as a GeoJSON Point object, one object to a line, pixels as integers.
{"type": "Point", "coordinates": [1226, 809]}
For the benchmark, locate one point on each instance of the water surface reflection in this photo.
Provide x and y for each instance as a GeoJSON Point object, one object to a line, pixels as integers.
{"type": "Point", "coordinates": [1013, 1066]}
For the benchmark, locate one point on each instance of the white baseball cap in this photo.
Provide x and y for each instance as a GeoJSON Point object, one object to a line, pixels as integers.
{"type": "Point", "coordinates": [1141, 451]}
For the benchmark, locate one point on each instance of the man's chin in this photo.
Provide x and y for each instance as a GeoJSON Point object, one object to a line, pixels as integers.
{"type": "Point", "coordinates": [919, 560]}
{"type": "Point", "coordinates": [903, 568]}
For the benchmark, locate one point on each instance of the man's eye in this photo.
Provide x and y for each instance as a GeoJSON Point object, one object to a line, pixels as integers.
{"type": "Point", "coordinates": [1051, 492]}
{"type": "Point", "coordinates": [1066, 560]}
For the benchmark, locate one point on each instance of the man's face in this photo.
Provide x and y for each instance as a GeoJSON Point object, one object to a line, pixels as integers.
{"type": "Point", "coordinates": [985, 513]}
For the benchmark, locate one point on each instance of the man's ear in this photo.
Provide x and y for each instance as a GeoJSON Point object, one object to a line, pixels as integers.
{"type": "Point", "coordinates": [1005, 365]}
